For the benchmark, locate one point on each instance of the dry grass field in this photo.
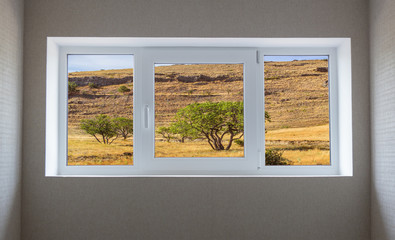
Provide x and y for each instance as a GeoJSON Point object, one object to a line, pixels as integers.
{"type": "Point", "coordinates": [194, 149]}
{"type": "Point", "coordinates": [296, 97]}
{"type": "Point", "coordinates": [85, 150]}
{"type": "Point", "coordinates": [303, 146]}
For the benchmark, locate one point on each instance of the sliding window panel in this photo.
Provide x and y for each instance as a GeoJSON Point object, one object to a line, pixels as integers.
{"type": "Point", "coordinates": [100, 109]}
{"type": "Point", "coordinates": [297, 110]}
{"type": "Point", "coordinates": [195, 110]}
{"type": "Point", "coordinates": [199, 110]}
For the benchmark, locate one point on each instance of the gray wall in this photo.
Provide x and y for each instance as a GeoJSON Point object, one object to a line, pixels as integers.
{"type": "Point", "coordinates": [194, 208]}
{"type": "Point", "coordinates": [382, 37]}
{"type": "Point", "coordinates": [11, 59]}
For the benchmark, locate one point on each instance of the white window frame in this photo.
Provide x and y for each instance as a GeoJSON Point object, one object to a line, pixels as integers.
{"type": "Point", "coordinates": [208, 165]}
{"type": "Point", "coordinates": [333, 168]}
{"type": "Point", "coordinates": [147, 51]}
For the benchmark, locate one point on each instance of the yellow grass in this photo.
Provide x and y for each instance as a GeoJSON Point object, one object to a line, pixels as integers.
{"type": "Point", "coordinates": [316, 133]}
{"type": "Point", "coordinates": [83, 149]}
{"type": "Point", "coordinates": [308, 157]}
{"type": "Point", "coordinates": [194, 149]}
{"type": "Point", "coordinates": [314, 140]}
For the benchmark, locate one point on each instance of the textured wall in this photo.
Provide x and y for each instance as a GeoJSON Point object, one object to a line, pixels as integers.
{"type": "Point", "coordinates": [382, 37]}
{"type": "Point", "coordinates": [194, 208]}
{"type": "Point", "coordinates": [11, 59]}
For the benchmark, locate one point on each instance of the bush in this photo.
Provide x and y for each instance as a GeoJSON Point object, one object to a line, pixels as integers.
{"type": "Point", "coordinates": [275, 157]}
{"type": "Point", "coordinates": [123, 126]}
{"type": "Point", "coordinates": [190, 91]}
{"type": "Point", "coordinates": [101, 128]}
{"type": "Point", "coordinates": [73, 88]}
{"type": "Point", "coordinates": [93, 85]}
{"type": "Point", "coordinates": [123, 89]}
{"type": "Point", "coordinates": [239, 142]}
{"type": "Point", "coordinates": [166, 132]}
{"type": "Point", "coordinates": [106, 129]}
{"type": "Point", "coordinates": [212, 120]}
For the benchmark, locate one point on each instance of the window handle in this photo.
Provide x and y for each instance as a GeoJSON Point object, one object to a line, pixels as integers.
{"type": "Point", "coordinates": [146, 116]}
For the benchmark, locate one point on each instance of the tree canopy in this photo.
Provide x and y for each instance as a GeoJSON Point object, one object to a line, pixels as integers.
{"type": "Point", "coordinates": [105, 129]}
{"type": "Point", "coordinates": [123, 126]}
{"type": "Point", "coordinates": [219, 122]}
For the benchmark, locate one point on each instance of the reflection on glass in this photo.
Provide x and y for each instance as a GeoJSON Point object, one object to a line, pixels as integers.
{"type": "Point", "coordinates": [100, 110]}
{"type": "Point", "coordinates": [297, 110]}
{"type": "Point", "coordinates": [199, 110]}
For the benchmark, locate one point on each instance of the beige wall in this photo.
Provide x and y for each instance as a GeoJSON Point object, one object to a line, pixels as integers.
{"type": "Point", "coordinates": [11, 59]}
{"type": "Point", "coordinates": [194, 208]}
{"type": "Point", "coordinates": [382, 39]}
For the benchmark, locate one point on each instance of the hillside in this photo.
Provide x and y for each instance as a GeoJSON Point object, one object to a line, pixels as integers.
{"type": "Point", "coordinates": [296, 94]}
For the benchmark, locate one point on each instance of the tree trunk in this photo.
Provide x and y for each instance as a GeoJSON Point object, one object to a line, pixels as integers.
{"type": "Point", "coordinates": [230, 142]}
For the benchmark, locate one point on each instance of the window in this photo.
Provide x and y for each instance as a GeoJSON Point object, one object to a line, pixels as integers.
{"type": "Point", "coordinates": [198, 107]}
{"type": "Point", "coordinates": [184, 94]}
{"type": "Point", "coordinates": [297, 106]}
{"type": "Point", "coordinates": [100, 109]}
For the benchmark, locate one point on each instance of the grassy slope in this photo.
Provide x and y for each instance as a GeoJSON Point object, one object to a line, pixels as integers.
{"type": "Point", "coordinates": [293, 101]}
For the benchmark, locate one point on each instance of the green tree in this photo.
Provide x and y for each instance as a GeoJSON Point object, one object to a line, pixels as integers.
{"type": "Point", "coordinates": [240, 142]}
{"type": "Point", "coordinates": [166, 133]}
{"type": "Point", "coordinates": [214, 121]}
{"type": "Point", "coordinates": [100, 127]}
{"type": "Point", "coordinates": [183, 130]}
{"type": "Point", "coordinates": [123, 126]}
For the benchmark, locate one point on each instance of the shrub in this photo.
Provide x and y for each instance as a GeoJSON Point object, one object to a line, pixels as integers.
{"type": "Point", "coordinates": [73, 88]}
{"type": "Point", "coordinates": [182, 131]}
{"type": "Point", "coordinates": [101, 127]}
{"type": "Point", "coordinates": [275, 157]}
{"type": "Point", "coordinates": [123, 126]}
{"type": "Point", "coordinates": [166, 132]}
{"type": "Point", "coordinates": [123, 89]}
{"type": "Point", "coordinates": [93, 85]}
{"type": "Point", "coordinates": [106, 129]}
{"type": "Point", "coordinates": [239, 142]}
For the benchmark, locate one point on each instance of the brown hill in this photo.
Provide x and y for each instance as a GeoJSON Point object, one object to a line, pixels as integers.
{"type": "Point", "coordinates": [296, 93]}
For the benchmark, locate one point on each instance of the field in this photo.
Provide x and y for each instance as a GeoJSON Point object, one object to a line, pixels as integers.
{"type": "Point", "coordinates": [296, 98]}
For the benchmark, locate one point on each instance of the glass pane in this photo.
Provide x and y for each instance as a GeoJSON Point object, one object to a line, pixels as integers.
{"type": "Point", "coordinates": [297, 110]}
{"type": "Point", "coordinates": [100, 109]}
{"type": "Point", "coordinates": [199, 110]}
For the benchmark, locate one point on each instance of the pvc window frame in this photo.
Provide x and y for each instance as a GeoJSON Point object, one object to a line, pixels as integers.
{"type": "Point", "coordinates": [200, 165]}
{"type": "Point", "coordinates": [147, 51]}
{"type": "Point", "coordinates": [333, 168]}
